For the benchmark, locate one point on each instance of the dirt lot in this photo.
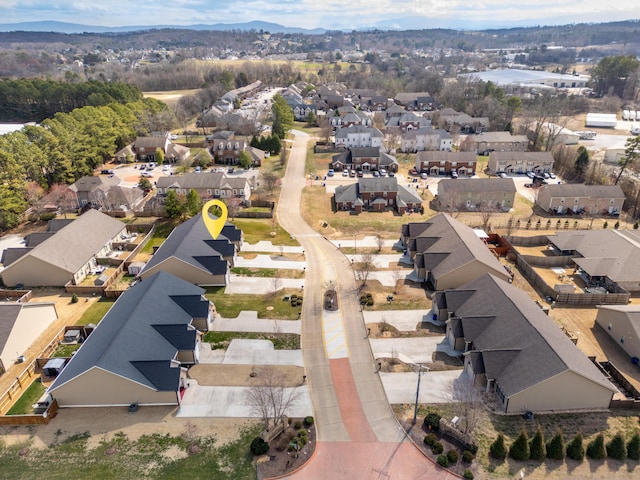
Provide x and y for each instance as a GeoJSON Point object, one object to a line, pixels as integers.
{"type": "Point", "coordinates": [241, 375]}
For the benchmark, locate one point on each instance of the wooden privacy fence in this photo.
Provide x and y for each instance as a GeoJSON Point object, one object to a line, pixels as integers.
{"type": "Point", "coordinates": [35, 419]}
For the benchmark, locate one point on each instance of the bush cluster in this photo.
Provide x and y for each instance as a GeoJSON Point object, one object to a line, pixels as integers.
{"type": "Point", "coordinates": [468, 474]}
{"type": "Point", "coordinates": [443, 461]}
{"type": "Point", "coordinates": [259, 446]}
{"type": "Point", "coordinates": [308, 421]}
{"type": "Point", "coordinates": [432, 422]}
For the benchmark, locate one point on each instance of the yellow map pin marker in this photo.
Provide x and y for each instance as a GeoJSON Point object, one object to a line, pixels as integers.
{"type": "Point", "coordinates": [214, 225]}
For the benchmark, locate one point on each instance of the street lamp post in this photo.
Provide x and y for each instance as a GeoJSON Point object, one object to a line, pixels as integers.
{"type": "Point", "coordinates": [415, 410]}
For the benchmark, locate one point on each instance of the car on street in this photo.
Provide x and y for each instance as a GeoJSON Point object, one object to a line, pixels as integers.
{"type": "Point", "coordinates": [531, 174]}
{"type": "Point", "coordinates": [360, 174]}
{"type": "Point", "coordinates": [231, 170]}
{"type": "Point", "coordinates": [198, 169]}
{"type": "Point", "coordinates": [345, 173]}
{"type": "Point", "coordinates": [330, 173]}
{"type": "Point", "coordinates": [552, 175]}
{"type": "Point", "coordinates": [502, 175]}
{"type": "Point", "coordinates": [423, 175]}
{"type": "Point", "coordinates": [166, 168]}
{"type": "Point", "coordinates": [546, 175]}
{"type": "Point", "coordinates": [391, 174]}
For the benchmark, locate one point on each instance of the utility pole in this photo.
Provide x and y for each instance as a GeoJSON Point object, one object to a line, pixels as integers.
{"type": "Point", "coordinates": [415, 411]}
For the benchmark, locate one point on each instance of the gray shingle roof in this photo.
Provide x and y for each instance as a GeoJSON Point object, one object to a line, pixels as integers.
{"type": "Point", "coordinates": [520, 345]}
{"type": "Point", "coordinates": [202, 180]}
{"type": "Point", "coordinates": [75, 244]}
{"type": "Point", "coordinates": [582, 190]}
{"type": "Point", "coordinates": [476, 185]}
{"type": "Point", "coordinates": [137, 337]}
{"type": "Point", "coordinates": [440, 156]}
{"type": "Point", "coordinates": [191, 242]}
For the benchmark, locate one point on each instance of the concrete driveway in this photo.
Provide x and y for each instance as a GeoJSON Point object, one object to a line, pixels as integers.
{"type": "Point", "coordinates": [251, 352]}
{"type": "Point", "coordinates": [435, 387]}
{"type": "Point", "coordinates": [233, 402]}
{"type": "Point", "coordinates": [411, 350]}
{"type": "Point", "coordinates": [403, 320]}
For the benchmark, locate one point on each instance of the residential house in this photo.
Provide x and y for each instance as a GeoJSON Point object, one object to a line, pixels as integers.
{"type": "Point", "coordinates": [426, 138]}
{"type": "Point", "coordinates": [415, 100]}
{"type": "Point", "coordinates": [446, 253]}
{"type": "Point", "coordinates": [145, 149]}
{"type": "Point", "coordinates": [520, 162]}
{"type": "Point", "coordinates": [622, 324]}
{"type": "Point", "coordinates": [516, 352]}
{"type": "Point", "coordinates": [450, 120]}
{"type": "Point", "coordinates": [406, 122]}
{"type": "Point", "coordinates": [364, 159]}
{"type": "Point", "coordinates": [348, 116]}
{"type": "Point", "coordinates": [358, 136]}
{"type": "Point", "coordinates": [377, 194]}
{"type": "Point", "coordinates": [497, 142]}
{"type": "Point", "coordinates": [208, 185]}
{"type": "Point", "coordinates": [476, 194]}
{"type": "Point", "coordinates": [446, 163]}
{"type": "Point", "coordinates": [191, 254]}
{"type": "Point", "coordinates": [66, 257]}
{"type": "Point", "coordinates": [20, 325]}
{"type": "Point", "coordinates": [105, 192]}
{"type": "Point", "coordinates": [578, 198]}
{"type": "Point", "coordinates": [139, 353]}
{"type": "Point", "coordinates": [608, 259]}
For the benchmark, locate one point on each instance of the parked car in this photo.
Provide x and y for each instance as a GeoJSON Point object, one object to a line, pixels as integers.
{"type": "Point", "coordinates": [198, 169]}
{"type": "Point", "coordinates": [166, 168]}
{"type": "Point", "coordinates": [502, 175]}
{"type": "Point", "coordinates": [383, 172]}
{"type": "Point", "coordinates": [352, 173]}
{"type": "Point", "coordinates": [552, 175]}
{"type": "Point", "coordinates": [546, 175]}
{"type": "Point", "coordinates": [107, 172]}
{"type": "Point", "coordinates": [531, 174]}
{"type": "Point", "coordinates": [360, 174]}
{"type": "Point", "coordinates": [454, 174]}
{"type": "Point", "coordinates": [423, 175]}
{"type": "Point", "coordinates": [345, 173]}
{"type": "Point", "coordinates": [230, 170]}
{"type": "Point", "coordinates": [376, 173]}
{"type": "Point", "coordinates": [330, 173]}
{"type": "Point", "coordinates": [391, 174]}
{"type": "Point", "coordinates": [413, 171]}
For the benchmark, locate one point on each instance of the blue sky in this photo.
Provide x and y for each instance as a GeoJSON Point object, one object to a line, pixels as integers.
{"type": "Point", "coordinates": [336, 14]}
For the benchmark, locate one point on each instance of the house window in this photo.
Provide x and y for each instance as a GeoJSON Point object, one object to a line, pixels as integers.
{"type": "Point", "coordinates": [208, 191]}
{"type": "Point", "coordinates": [217, 192]}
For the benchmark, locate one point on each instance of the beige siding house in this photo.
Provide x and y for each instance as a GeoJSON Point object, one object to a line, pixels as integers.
{"type": "Point", "coordinates": [20, 325]}
{"type": "Point", "coordinates": [476, 194]}
{"type": "Point", "coordinates": [498, 142]}
{"type": "Point", "coordinates": [446, 163]}
{"type": "Point", "coordinates": [622, 323]}
{"type": "Point", "coordinates": [67, 256]}
{"type": "Point", "coordinates": [208, 185]}
{"type": "Point", "coordinates": [519, 162]}
{"type": "Point", "coordinates": [447, 253]}
{"type": "Point", "coordinates": [580, 198]}
{"type": "Point", "coordinates": [516, 353]}
{"type": "Point", "coordinates": [139, 352]}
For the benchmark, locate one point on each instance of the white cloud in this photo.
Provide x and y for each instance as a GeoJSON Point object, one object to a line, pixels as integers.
{"type": "Point", "coordinates": [318, 13]}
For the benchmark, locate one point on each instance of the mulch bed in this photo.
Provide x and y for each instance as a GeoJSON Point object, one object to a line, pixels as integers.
{"type": "Point", "coordinates": [278, 460]}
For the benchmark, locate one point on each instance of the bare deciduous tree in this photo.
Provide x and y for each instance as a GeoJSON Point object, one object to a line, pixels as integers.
{"type": "Point", "coordinates": [467, 401]}
{"type": "Point", "coordinates": [364, 267]}
{"type": "Point", "coordinates": [396, 275]}
{"type": "Point", "coordinates": [379, 242]}
{"type": "Point", "coordinates": [270, 397]}
{"type": "Point", "coordinates": [276, 281]}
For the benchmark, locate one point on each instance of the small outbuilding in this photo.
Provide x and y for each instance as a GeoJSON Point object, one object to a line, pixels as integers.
{"type": "Point", "coordinates": [53, 367]}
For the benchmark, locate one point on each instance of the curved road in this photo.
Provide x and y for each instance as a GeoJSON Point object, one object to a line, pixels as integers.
{"type": "Point", "coordinates": [358, 436]}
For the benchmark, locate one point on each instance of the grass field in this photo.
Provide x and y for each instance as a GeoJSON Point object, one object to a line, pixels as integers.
{"type": "Point", "coordinates": [281, 341]}
{"type": "Point", "coordinates": [230, 306]}
{"type": "Point", "coordinates": [96, 311]}
{"type": "Point", "coordinates": [28, 398]}
{"type": "Point", "coordinates": [149, 457]}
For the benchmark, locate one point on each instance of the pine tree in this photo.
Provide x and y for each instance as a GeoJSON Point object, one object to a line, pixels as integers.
{"type": "Point", "coordinates": [595, 449]}
{"type": "Point", "coordinates": [520, 448]}
{"type": "Point", "coordinates": [633, 447]}
{"type": "Point", "coordinates": [537, 448]}
{"type": "Point", "coordinates": [555, 447]}
{"type": "Point", "coordinates": [498, 449]}
{"type": "Point", "coordinates": [616, 447]}
{"type": "Point", "coordinates": [575, 449]}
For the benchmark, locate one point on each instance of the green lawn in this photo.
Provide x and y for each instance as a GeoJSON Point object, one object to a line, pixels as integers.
{"type": "Point", "coordinates": [267, 272]}
{"type": "Point", "coordinates": [229, 306]}
{"type": "Point", "coordinates": [96, 311]}
{"type": "Point", "coordinates": [281, 341]}
{"type": "Point", "coordinates": [65, 351]}
{"type": "Point", "coordinates": [256, 229]}
{"type": "Point", "coordinates": [28, 398]}
{"type": "Point", "coordinates": [149, 457]}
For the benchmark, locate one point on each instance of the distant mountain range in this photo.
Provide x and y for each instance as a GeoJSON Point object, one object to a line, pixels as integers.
{"type": "Point", "coordinates": [64, 27]}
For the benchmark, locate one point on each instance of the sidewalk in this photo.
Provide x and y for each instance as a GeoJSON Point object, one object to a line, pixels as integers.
{"type": "Point", "coordinates": [267, 246]}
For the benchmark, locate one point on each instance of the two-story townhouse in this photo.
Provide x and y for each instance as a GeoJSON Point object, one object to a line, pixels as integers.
{"type": "Point", "coordinates": [446, 163]}
{"type": "Point", "coordinates": [578, 198]}
{"type": "Point", "coordinates": [488, 142]}
{"type": "Point", "coordinates": [358, 136]}
{"type": "Point", "coordinates": [377, 194]}
{"type": "Point", "coordinates": [208, 185]}
{"type": "Point", "coordinates": [426, 138]}
{"type": "Point", "coordinates": [364, 159]}
{"type": "Point", "coordinates": [520, 162]}
{"type": "Point", "coordinates": [476, 194]}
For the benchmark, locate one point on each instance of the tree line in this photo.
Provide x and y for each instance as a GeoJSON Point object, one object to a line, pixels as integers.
{"type": "Point", "coordinates": [33, 99]}
{"type": "Point", "coordinates": [66, 147]}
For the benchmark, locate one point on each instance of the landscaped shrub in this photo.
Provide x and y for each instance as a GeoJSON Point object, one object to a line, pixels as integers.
{"type": "Point", "coordinates": [369, 302]}
{"type": "Point", "coordinates": [555, 447]}
{"type": "Point", "coordinates": [297, 425]}
{"type": "Point", "coordinates": [443, 461]}
{"type": "Point", "coordinates": [636, 225]}
{"type": "Point", "coordinates": [437, 448]}
{"type": "Point", "coordinates": [472, 447]}
{"type": "Point", "coordinates": [617, 225]}
{"type": "Point", "coordinates": [595, 449]}
{"type": "Point", "coordinates": [432, 422]}
{"type": "Point", "coordinates": [498, 449]}
{"type": "Point", "coordinates": [616, 447]}
{"type": "Point", "coordinates": [537, 448]}
{"type": "Point", "coordinates": [520, 448]}
{"type": "Point", "coordinates": [468, 474]}
{"type": "Point", "coordinates": [452, 455]}
{"type": "Point", "coordinates": [308, 421]}
{"type": "Point", "coordinates": [633, 447]}
{"type": "Point", "coordinates": [467, 456]}
{"type": "Point", "coordinates": [430, 439]}
{"type": "Point", "coordinates": [575, 449]}
{"type": "Point", "coordinates": [259, 446]}
{"type": "Point", "coordinates": [74, 298]}
{"type": "Point", "coordinates": [45, 217]}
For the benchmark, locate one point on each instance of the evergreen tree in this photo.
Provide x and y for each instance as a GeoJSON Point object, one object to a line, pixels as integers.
{"type": "Point", "coordinates": [498, 449]}
{"type": "Point", "coordinates": [538, 450]}
{"type": "Point", "coordinates": [633, 447]}
{"type": "Point", "coordinates": [282, 116]}
{"type": "Point", "coordinates": [595, 449]}
{"type": "Point", "coordinates": [193, 203]}
{"type": "Point", "coordinates": [174, 205]}
{"type": "Point", "coordinates": [520, 448]}
{"type": "Point", "coordinates": [582, 160]}
{"type": "Point", "coordinates": [555, 447]}
{"type": "Point", "coordinates": [616, 447]}
{"type": "Point", "coordinates": [575, 449]}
